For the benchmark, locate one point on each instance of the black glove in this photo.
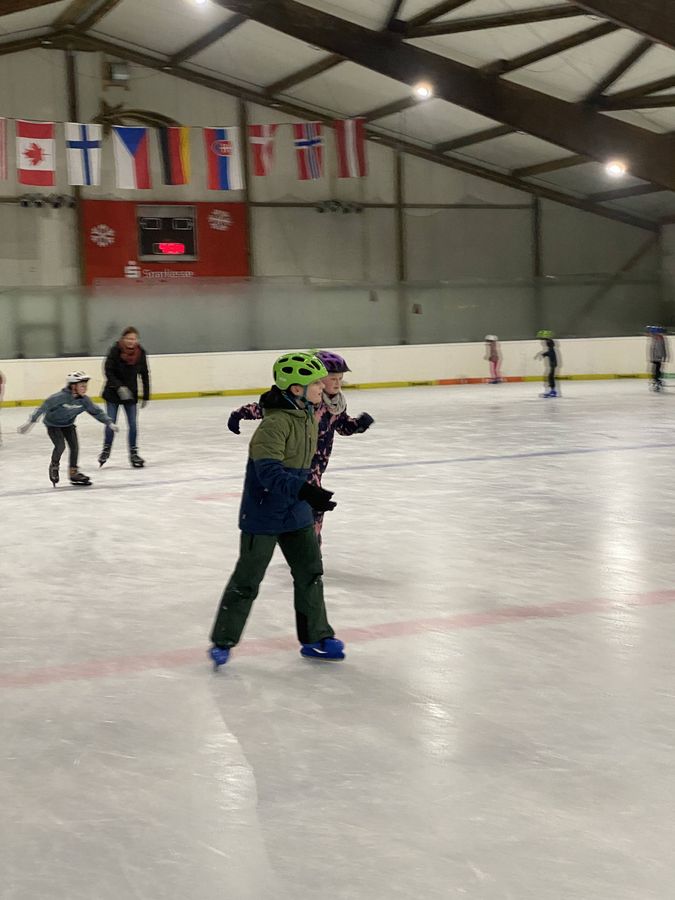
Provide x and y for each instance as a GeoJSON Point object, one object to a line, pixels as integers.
{"type": "Point", "coordinates": [317, 498]}
{"type": "Point", "coordinates": [144, 402]}
{"type": "Point", "coordinates": [365, 421]}
{"type": "Point", "coordinates": [233, 423]}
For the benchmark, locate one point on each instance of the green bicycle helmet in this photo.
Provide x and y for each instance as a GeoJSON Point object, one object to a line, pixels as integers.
{"type": "Point", "coordinates": [545, 334]}
{"type": "Point", "coordinates": [297, 367]}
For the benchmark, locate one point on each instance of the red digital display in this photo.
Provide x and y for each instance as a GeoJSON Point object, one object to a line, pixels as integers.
{"type": "Point", "coordinates": [169, 248]}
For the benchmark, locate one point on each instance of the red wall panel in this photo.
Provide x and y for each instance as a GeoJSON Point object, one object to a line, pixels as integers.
{"type": "Point", "coordinates": [111, 243]}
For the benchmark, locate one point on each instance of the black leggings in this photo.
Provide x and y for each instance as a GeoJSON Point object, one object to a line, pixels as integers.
{"type": "Point", "coordinates": [60, 437]}
{"type": "Point", "coordinates": [551, 377]}
{"type": "Point", "coordinates": [657, 376]}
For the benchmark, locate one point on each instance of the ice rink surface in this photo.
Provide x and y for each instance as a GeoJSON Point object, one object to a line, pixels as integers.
{"type": "Point", "coordinates": [502, 569]}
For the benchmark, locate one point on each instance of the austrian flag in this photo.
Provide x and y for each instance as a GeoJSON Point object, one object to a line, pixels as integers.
{"type": "Point", "coordinates": [351, 148]}
{"type": "Point", "coordinates": [35, 153]}
{"type": "Point", "coordinates": [261, 138]}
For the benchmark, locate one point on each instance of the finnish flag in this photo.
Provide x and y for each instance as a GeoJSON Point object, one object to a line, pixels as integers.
{"type": "Point", "coordinates": [83, 152]}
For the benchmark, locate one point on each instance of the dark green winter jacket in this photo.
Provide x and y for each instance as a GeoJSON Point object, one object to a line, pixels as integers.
{"type": "Point", "coordinates": [280, 456]}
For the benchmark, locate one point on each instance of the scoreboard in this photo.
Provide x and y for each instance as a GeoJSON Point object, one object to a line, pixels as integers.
{"type": "Point", "coordinates": [166, 233]}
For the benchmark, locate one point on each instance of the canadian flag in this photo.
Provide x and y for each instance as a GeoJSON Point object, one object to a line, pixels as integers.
{"type": "Point", "coordinates": [351, 148]}
{"type": "Point", "coordinates": [35, 159]}
{"type": "Point", "coordinates": [261, 138]}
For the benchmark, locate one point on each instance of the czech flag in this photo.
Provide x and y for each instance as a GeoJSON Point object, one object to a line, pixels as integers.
{"type": "Point", "coordinates": [174, 148]}
{"type": "Point", "coordinates": [132, 158]}
{"type": "Point", "coordinates": [223, 159]}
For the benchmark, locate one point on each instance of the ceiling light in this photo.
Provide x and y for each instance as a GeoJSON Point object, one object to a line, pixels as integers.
{"type": "Point", "coordinates": [200, 2]}
{"type": "Point", "coordinates": [616, 168]}
{"type": "Point", "coordinates": [423, 90]}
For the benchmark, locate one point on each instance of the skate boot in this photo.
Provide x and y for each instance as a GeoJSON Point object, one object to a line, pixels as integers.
{"type": "Point", "coordinates": [104, 455]}
{"type": "Point", "coordinates": [135, 459]}
{"type": "Point", "coordinates": [54, 473]}
{"type": "Point", "coordinates": [219, 656]}
{"type": "Point", "coordinates": [328, 649]}
{"type": "Point", "coordinates": [78, 479]}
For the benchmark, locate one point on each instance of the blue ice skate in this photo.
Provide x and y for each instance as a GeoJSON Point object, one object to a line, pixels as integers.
{"type": "Point", "coordinates": [219, 656]}
{"type": "Point", "coordinates": [548, 394]}
{"type": "Point", "coordinates": [327, 649]}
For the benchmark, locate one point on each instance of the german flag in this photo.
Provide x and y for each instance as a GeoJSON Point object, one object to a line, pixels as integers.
{"type": "Point", "coordinates": [174, 148]}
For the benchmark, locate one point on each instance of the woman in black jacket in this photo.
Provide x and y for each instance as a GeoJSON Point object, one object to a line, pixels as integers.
{"type": "Point", "coordinates": [125, 364]}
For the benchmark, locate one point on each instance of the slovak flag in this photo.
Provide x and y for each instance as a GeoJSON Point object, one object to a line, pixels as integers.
{"type": "Point", "coordinates": [308, 150]}
{"type": "Point", "coordinates": [35, 153]}
{"type": "Point", "coordinates": [350, 139]}
{"type": "Point", "coordinates": [223, 159]}
{"type": "Point", "coordinates": [261, 138]}
{"type": "Point", "coordinates": [83, 152]}
{"type": "Point", "coordinates": [132, 157]}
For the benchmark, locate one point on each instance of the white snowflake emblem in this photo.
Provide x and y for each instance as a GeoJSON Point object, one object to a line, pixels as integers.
{"type": "Point", "coordinates": [102, 235]}
{"type": "Point", "coordinates": [219, 220]}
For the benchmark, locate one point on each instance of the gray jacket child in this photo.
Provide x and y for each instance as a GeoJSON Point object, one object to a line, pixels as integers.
{"type": "Point", "coordinates": [61, 409]}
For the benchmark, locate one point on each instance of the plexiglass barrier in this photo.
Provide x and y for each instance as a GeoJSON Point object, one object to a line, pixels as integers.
{"type": "Point", "coordinates": [269, 314]}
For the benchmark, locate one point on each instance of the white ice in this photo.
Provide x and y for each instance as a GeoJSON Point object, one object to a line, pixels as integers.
{"type": "Point", "coordinates": [503, 728]}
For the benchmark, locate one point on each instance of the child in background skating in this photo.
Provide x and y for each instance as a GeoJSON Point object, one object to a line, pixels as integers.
{"type": "Point", "coordinates": [659, 353]}
{"type": "Point", "coordinates": [60, 411]}
{"type": "Point", "coordinates": [126, 362]}
{"type": "Point", "coordinates": [276, 508]}
{"type": "Point", "coordinates": [551, 356]}
{"type": "Point", "coordinates": [494, 356]}
{"type": "Point", "coordinates": [331, 415]}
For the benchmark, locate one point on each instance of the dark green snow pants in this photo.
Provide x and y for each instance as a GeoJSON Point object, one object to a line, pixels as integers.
{"type": "Point", "coordinates": [303, 555]}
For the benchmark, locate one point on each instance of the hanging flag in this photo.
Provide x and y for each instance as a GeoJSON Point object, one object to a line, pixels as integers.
{"type": "Point", "coordinates": [3, 149]}
{"type": "Point", "coordinates": [174, 149]}
{"type": "Point", "coordinates": [83, 153]}
{"type": "Point", "coordinates": [308, 150]}
{"type": "Point", "coordinates": [350, 138]}
{"type": "Point", "coordinates": [223, 159]}
{"type": "Point", "coordinates": [132, 159]}
{"type": "Point", "coordinates": [261, 138]}
{"type": "Point", "coordinates": [35, 153]}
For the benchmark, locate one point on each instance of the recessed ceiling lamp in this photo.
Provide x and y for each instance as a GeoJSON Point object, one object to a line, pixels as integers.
{"type": "Point", "coordinates": [423, 90]}
{"type": "Point", "coordinates": [616, 168]}
{"type": "Point", "coordinates": [200, 2]}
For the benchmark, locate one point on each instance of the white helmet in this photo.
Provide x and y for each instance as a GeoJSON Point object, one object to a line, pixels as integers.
{"type": "Point", "coordinates": [77, 378]}
{"type": "Point", "coordinates": [491, 337]}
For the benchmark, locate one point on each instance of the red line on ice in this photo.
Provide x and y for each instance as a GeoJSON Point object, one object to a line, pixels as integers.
{"type": "Point", "coordinates": [173, 659]}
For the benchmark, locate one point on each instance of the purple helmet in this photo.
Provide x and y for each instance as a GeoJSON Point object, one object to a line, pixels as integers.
{"type": "Point", "coordinates": [334, 363]}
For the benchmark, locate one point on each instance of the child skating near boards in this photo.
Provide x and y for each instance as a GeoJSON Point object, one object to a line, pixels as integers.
{"type": "Point", "coordinates": [550, 354]}
{"type": "Point", "coordinates": [658, 354]}
{"type": "Point", "coordinates": [494, 357]}
{"type": "Point", "coordinates": [60, 411]}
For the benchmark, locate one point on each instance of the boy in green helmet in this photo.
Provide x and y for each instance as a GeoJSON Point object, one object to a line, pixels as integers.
{"type": "Point", "coordinates": [277, 508]}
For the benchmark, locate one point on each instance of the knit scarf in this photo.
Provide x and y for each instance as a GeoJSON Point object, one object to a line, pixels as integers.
{"type": "Point", "coordinates": [336, 404]}
{"type": "Point", "coordinates": [130, 357]}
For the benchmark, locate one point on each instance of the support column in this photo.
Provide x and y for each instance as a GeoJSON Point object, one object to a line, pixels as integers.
{"type": "Point", "coordinates": [74, 115]}
{"type": "Point", "coordinates": [667, 248]}
{"type": "Point", "coordinates": [537, 268]}
{"type": "Point", "coordinates": [401, 260]}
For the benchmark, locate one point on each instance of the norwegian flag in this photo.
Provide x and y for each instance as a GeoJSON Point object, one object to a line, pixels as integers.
{"type": "Point", "coordinates": [35, 153]}
{"type": "Point", "coordinates": [350, 139]}
{"type": "Point", "coordinates": [261, 138]}
{"type": "Point", "coordinates": [3, 149]}
{"type": "Point", "coordinates": [309, 150]}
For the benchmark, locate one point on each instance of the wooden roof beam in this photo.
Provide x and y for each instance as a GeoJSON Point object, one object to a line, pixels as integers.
{"type": "Point", "coordinates": [435, 12]}
{"type": "Point", "coordinates": [207, 39]}
{"type": "Point", "coordinates": [622, 66]}
{"type": "Point", "coordinates": [478, 137]}
{"type": "Point", "coordinates": [554, 165]}
{"type": "Point", "coordinates": [495, 20]}
{"type": "Point", "coordinates": [577, 128]}
{"type": "Point", "coordinates": [651, 18]}
{"type": "Point", "coordinates": [390, 109]}
{"type": "Point", "coordinates": [503, 66]}
{"type": "Point", "coordinates": [9, 7]}
{"type": "Point", "coordinates": [637, 190]}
